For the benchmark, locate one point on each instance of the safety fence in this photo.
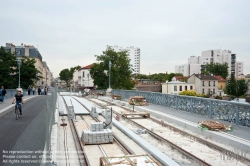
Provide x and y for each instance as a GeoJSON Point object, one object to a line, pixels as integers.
{"type": "Point", "coordinates": [233, 112]}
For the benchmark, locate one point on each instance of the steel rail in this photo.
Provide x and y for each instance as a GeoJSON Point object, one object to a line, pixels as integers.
{"type": "Point", "coordinates": [124, 147]}
{"type": "Point", "coordinates": [83, 161]}
{"type": "Point", "coordinates": [198, 139]}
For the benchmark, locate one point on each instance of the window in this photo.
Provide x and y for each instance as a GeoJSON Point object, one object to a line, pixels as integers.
{"type": "Point", "coordinates": [214, 83]}
{"type": "Point", "coordinates": [203, 91]}
{"type": "Point", "coordinates": [191, 87]}
{"type": "Point", "coordinates": [239, 71]}
{"type": "Point", "coordinates": [186, 88]}
{"type": "Point", "coordinates": [83, 74]}
{"type": "Point", "coordinates": [180, 88]}
{"type": "Point", "coordinates": [203, 84]}
{"type": "Point", "coordinates": [213, 91]}
{"type": "Point", "coordinates": [209, 83]}
{"type": "Point", "coordinates": [175, 88]}
{"type": "Point", "coordinates": [221, 86]}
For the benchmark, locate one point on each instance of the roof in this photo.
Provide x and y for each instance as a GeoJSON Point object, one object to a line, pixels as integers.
{"type": "Point", "coordinates": [220, 79]}
{"type": "Point", "coordinates": [87, 67]}
{"type": "Point", "coordinates": [205, 77]}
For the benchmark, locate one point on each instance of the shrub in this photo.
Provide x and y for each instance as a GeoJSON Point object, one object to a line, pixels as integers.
{"type": "Point", "coordinates": [188, 93]}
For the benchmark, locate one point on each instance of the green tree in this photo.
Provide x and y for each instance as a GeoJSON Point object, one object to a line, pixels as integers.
{"type": "Point", "coordinates": [231, 86]}
{"type": "Point", "coordinates": [141, 76]}
{"type": "Point", "coordinates": [217, 69]}
{"type": "Point", "coordinates": [120, 70]}
{"type": "Point", "coordinates": [67, 74]}
{"type": "Point", "coordinates": [241, 87]}
{"type": "Point", "coordinates": [28, 72]}
{"type": "Point", "coordinates": [9, 70]}
{"type": "Point", "coordinates": [8, 67]}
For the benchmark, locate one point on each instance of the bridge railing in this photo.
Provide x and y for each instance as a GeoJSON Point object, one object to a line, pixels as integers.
{"type": "Point", "coordinates": [12, 92]}
{"type": "Point", "coordinates": [233, 112]}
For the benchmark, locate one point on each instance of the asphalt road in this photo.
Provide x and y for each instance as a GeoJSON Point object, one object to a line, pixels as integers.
{"type": "Point", "coordinates": [26, 133]}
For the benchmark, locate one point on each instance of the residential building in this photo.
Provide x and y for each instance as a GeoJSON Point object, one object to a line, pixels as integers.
{"type": "Point", "coordinates": [238, 69]}
{"type": "Point", "coordinates": [133, 53]}
{"type": "Point", "coordinates": [204, 84]}
{"type": "Point", "coordinates": [183, 69]}
{"type": "Point", "coordinates": [175, 87]}
{"type": "Point", "coordinates": [247, 76]}
{"type": "Point", "coordinates": [31, 52]}
{"type": "Point", "coordinates": [221, 85]}
{"type": "Point", "coordinates": [196, 64]}
{"type": "Point", "coordinates": [84, 78]}
{"type": "Point", "coordinates": [47, 75]}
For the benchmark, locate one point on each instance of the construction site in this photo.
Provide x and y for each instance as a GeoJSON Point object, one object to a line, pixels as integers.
{"type": "Point", "coordinates": [99, 130]}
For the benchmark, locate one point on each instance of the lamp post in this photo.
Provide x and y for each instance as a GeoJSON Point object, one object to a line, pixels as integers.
{"type": "Point", "coordinates": [19, 62]}
{"type": "Point", "coordinates": [109, 72]}
{"type": "Point", "coordinates": [88, 80]}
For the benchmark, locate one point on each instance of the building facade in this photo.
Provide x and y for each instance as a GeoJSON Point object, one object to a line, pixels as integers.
{"type": "Point", "coordinates": [133, 53]}
{"type": "Point", "coordinates": [32, 52]}
{"type": "Point", "coordinates": [175, 87]}
{"type": "Point", "coordinates": [84, 79]}
{"type": "Point", "coordinates": [196, 64]}
{"type": "Point", "coordinates": [204, 84]}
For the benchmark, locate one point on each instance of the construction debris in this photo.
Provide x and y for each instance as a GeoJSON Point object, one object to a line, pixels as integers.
{"type": "Point", "coordinates": [100, 93]}
{"type": "Point", "coordinates": [137, 100]}
{"type": "Point", "coordinates": [136, 115]}
{"type": "Point", "coordinates": [140, 131]}
{"type": "Point", "coordinates": [129, 160]}
{"type": "Point", "coordinates": [116, 97]}
{"type": "Point", "coordinates": [214, 125]}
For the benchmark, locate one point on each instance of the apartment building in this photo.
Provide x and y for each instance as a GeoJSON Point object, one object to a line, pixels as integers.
{"type": "Point", "coordinates": [196, 63]}
{"type": "Point", "coordinates": [133, 53]}
{"type": "Point", "coordinates": [32, 52]}
{"type": "Point", "coordinates": [82, 77]}
{"type": "Point", "coordinates": [204, 84]}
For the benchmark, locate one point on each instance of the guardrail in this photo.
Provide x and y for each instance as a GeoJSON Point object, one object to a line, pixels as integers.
{"type": "Point", "coordinates": [233, 112]}
{"type": "Point", "coordinates": [11, 93]}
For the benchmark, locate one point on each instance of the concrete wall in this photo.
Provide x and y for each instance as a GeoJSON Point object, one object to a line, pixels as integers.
{"type": "Point", "coordinates": [151, 88]}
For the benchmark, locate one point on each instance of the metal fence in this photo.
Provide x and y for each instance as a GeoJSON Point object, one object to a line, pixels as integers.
{"type": "Point", "coordinates": [234, 112]}
{"type": "Point", "coordinates": [11, 93]}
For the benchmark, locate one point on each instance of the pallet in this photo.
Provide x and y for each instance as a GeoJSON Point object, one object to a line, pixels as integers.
{"type": "Point", "coordinates": [129, 160]}
{"type": "Point", "coordinates": [136, 115]}
{"type": "Point", "coordinates": [86, 143]}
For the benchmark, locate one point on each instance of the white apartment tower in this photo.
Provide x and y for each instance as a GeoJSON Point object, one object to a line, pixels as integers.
{"type": "Point", "coordinates": [133, 54]}
{"type": "Point", "coordinates": [196, 64]}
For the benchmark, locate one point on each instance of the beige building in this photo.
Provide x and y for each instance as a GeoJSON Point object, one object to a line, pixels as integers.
{"type": "Point", "coordinates": [175, 87]}
{"type": "Point", "coordinates": [204, 84]}
{"type": "Point", "coordinates": [32, 52]}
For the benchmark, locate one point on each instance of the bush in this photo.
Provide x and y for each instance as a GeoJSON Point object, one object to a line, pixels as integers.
{"type": "Point", "coordinates": [218, 97]}
{"type": "Point", "coordinates": [188, 93]}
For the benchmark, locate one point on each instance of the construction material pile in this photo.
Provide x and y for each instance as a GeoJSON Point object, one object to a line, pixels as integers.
{"type": "Point", "coordinates": [96, 134]}
{"type": "Point", "coordinates": [116, 97]}
{"type": "Point", "coordinates": [129, 160]}
{"type": "Point", "coordinates": [100, 93]}
{"type": "Point", "coordinates": [137, 100]}
{"type": "Point", "coordinates": [214, 125]}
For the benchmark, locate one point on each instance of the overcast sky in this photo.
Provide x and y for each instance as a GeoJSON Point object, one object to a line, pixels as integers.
{"type": "Point", "coordinates": [70, 32]}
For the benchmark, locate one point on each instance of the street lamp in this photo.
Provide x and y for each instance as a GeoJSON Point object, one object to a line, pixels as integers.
{"type": "Point", "coordinates": [109, 72]}
{"type": "Point", "coordinates": [19, 62]}
{"type": "Point", "coordinates": [88, 80]}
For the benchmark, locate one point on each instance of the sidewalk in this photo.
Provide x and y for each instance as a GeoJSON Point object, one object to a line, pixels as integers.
{"type": "Point", "coordinates": [8, 104]}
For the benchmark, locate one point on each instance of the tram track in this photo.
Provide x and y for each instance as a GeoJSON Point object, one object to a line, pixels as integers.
{"type": "Point", "coordinates": [184, 133]}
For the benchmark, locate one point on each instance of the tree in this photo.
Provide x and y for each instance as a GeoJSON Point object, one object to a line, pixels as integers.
{"type": "Point", "coordinates": [9, 70]}
{"type": "Point", "coordinates": [241, 87]}
{"type": "Point", "coordinates": [120, 70]}
{"type": "Point", "coordinates": [28, 72]}
{"type": "Point", "coordinates": [217, 69]}
{"type": "Point", "coordinates": [8, 67]}
{"type": "Point", "coordinates": [231, 86]}
{"type": "Point", "coordinates": [67, 74]}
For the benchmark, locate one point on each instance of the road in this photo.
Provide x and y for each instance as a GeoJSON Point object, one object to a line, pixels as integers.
{"type": "Point", "coordinates": [26, 133]}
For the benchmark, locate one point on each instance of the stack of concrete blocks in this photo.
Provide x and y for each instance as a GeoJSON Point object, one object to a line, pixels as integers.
{"type": "Point", "coordinates": [108, 118]}
{"type": "Point", "coordinates": [93, 112]}
{"type": "Point", "coordinates": [71, 113]}
{"type": "Point", "coordinates": [97, 135]}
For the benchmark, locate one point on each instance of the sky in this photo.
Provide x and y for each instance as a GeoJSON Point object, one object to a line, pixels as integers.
{"type": "Point", "coordinates": [68, 33]}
